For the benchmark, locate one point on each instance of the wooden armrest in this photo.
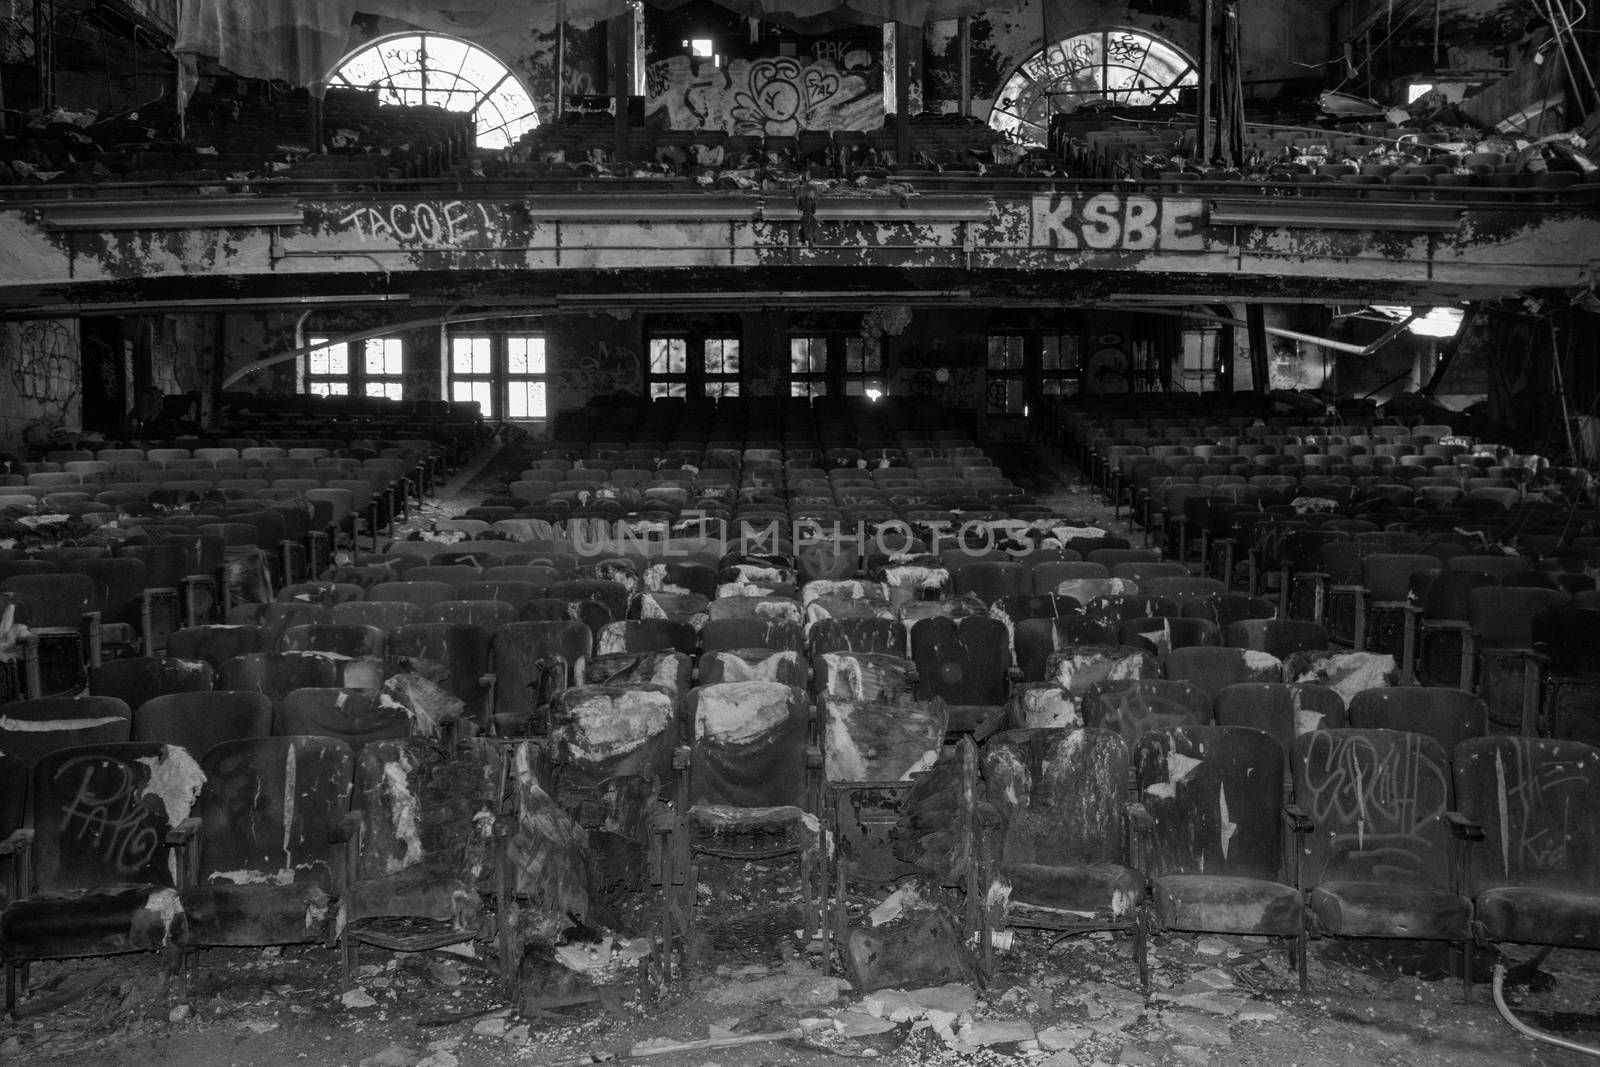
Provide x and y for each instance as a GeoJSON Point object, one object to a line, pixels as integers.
{"type": "Point", "coordinates": [185, 832]}
{"type": "Point", "coordinates": [19, 842]}
{"type": "Point", "coordinates": [1463, 828]}
{"type": "Point", "coordinates": [346, 828]}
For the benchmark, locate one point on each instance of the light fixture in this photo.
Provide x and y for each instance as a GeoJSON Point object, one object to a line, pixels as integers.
{"type": "Point", "coordinates": [190, 214]}
{"type": "Point", "coordinates": [873, 394]}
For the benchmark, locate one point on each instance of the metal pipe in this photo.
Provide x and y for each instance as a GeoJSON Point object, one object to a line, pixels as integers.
{"type": "Point", "coordinates": [1523, 1028]}
{"type": "Point", "coordinates": [1280, 331]}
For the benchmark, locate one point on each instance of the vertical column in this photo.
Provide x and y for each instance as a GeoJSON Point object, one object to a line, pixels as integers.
{"type": "Point", "coordinates": [907, 85]}
{"type": "Point", "coordinates": [619, 36]}
{"type": "Point", "coordinates": [964, 36]}
{"type": "Point", "coordinates": [1207, 74]}
{"type": "Point", "coordinates": [1255, 318]}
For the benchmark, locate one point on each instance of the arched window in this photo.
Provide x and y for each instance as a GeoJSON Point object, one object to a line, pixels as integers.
{"type": "Point", "coordinates": [426, 68]}
{"type": "Point", "coordinates": [1115, 66]}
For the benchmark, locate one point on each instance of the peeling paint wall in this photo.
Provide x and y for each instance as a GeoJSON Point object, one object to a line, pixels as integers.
{"type": "Point", "coordinates": [41, 383]}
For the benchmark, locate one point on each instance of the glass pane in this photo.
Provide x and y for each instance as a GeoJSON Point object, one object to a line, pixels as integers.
{"type": "Point", "coordinates": [525, 400]}
{"type": "Point", "coordinates": [482, 392]}
{"type": "Point", "coordinates": [855, 387]}
{"type": "Point", "coordinates": [470, 355]}
{"type": "Point", "coordinates": [722, 355]}
{"type": "Point", "coordinates": [661, 389]}
{"type": "Point", "coordinates": [669, 355]}
{"type": "Point", "coordinates": [1005, 351]}
{"type": "Point", "coordinates": [392, 390]}
{"type": "Point", "coordinates": [722, 389]}
{"type": "Point", "coordinates": [1006, 395]}
{"type": "Point", "coordinates": [808, 355]}
{"type": "Point", "coordinates": [808, 388]}
{"type": "Point", "coordinates": [525, 355]}
{"type": "Point", "coordinates": [854, 354]}
{"type": "Point", "coordinates": [1123, 66]}
{"type": "Point", "coordinates": [383, 357]}
{"type": "Point", "coordinates": [330, 388]}
{"type": "Point", "coordinates": [457, 75]}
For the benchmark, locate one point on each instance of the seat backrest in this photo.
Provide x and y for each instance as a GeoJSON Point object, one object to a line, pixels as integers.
{"type": "Point", "coordinates": [217, 644]}
{"type": "Point", "coordinates": [32, 729]}
{"type": "Point", "coordinates": [962, 661]}
{"type": "Point", "coordinates": [863, 676]}
{"type": "Point", "coordinates": [268, 808]}
{"type": "Point", "coordinates": [748, 744]}
{"type": "Point", "coordinates": [876, 741]}
{"type": "Point", "coordinates": [422, 594]}
{"type": "Point", "coordinates": [1283, 709]}
{"type": "Point", "coordinates": [1213, 669]}
{"type": "Point", "coordinates": [1133, 706]}
{"type": "Point", "coordinates": [751, 633]}
{"type": "Point", "coordinates": [59, 600]}
{"type": "Point", "coordinates": [1538, 802]}
{"type": "Point", "coordinates": [1081, 665]}
{"type": "Point", "coordinates": [101, 819]}
{"type": "Point", "coordinates": [1377, 799]}
{"type": "Point", "coordinates": [137, 680]}
{"type": "Point", "coordinates": [646, 635]}
{"type": "Point", "coordinates": [1449, 716]}
{"type": "Point", "coordinates": [340, 638]}
{"type": "Point", "coordinates": [601, 732]}
{"type": "Point", "coordinates": [1215, 794]}
{"type": "Point", "coordinates": [1277, 637]}
{"type": "Point", "coordinates": [199, 720]}
{"type": "Point", "coordinates": [1060, 793]}
{"type": "Point", "coordinates": [277, 674]}
{"type": "Point", "coordinates": [385, 615]}
{"type": "Point", "coordinates": [489, 614]}
{"type": "Point", "coordinates": [463, 650]}
{"type": "Point", "coordinates": [1502, 616]}
{"type": "Point", "coordinates": [354, 716]}
{"type": "Point", "coordinates": [880, 635]}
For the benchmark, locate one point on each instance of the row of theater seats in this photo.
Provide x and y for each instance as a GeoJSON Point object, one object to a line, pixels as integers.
{"type": "Point", "coordinates": [119, 551]}
{"type": "Point", "coordinates": [952, 143]}
{"type": "Point", "coordinates": [1395, 157]}
{"type": "Point", "coordinates": [255, 143]}
{"type": "Point", "coordinates": [759, 610]}
{"type": "Point", "coordinates": [1447, 555]}
{"type": "Point", "coordinates": [350, 421]}
{"type": "Point", "coordinates": [1199, 841]}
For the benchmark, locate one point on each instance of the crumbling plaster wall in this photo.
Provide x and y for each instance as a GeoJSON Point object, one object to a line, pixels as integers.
{"type": "Point", "coordinates": [40, 379]}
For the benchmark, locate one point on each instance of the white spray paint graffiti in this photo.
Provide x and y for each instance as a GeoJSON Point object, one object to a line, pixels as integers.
{"type": "Point", "coordinates": [444, 224]}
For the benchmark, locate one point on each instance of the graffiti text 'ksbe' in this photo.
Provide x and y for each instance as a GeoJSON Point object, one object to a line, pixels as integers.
{"type": "Point", "coordinates": [1122, 222]}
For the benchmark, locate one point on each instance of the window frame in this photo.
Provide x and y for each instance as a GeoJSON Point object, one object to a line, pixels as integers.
{"type": "Point", "coordinates": [498, 116]}
{"type": "Point", "coordinates": [497, 381]}
{"type": "Point", "coordinates": [1040, 383]}
{"type": "Point", "coordinates": [391, 383]}
{"type": "Point", "coordinates": [311, 379]}
{"type": "Point", "coordinates": [696, 379]}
